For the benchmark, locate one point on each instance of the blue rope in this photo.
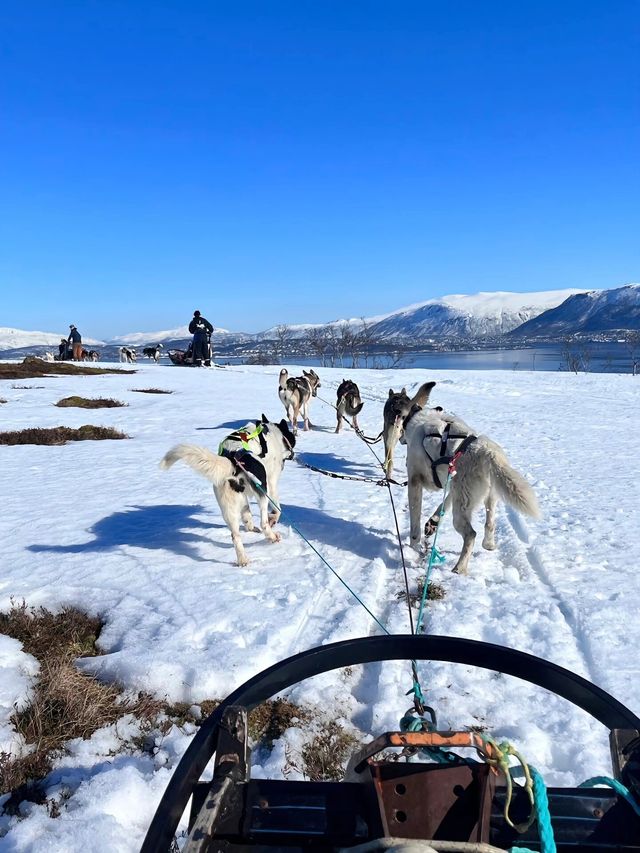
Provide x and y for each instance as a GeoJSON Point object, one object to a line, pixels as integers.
{"type": "Point", "coordinates": [618, 787]}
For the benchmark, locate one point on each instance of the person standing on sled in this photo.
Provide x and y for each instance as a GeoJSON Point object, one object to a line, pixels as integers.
{"type": "Point", "coordinates": [201, 330]}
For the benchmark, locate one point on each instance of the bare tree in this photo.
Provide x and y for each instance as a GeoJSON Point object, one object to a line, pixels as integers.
{"type": "Point", "coordinates": [575, 356]}
{"type": "Point", "coordinates": [632, 343]}
{"type": "Point", "coordinates": [318, 341]}
{"type": "Point", "coordinates": [280, 345]}
{"type": "Point", "coordinates": [365, 339]}
{"type": "Point", "coordinates": [343, 341]}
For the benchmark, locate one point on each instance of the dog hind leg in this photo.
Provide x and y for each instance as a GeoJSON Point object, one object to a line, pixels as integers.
{"type": "Point", "coordinates": [230, 509]}
{"type": "Point", "coordinates": [265, 526]}
{"type": "Point", "coordinates": [488, 540]}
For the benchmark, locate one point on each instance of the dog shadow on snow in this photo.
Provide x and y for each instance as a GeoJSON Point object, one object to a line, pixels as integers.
{"type": "Point", "coordinates": [350, 536]}
{"type": "Point", "coordinates": [157, 528]}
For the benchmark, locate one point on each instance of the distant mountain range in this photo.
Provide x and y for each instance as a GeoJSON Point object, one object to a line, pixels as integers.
{"type": "Point", "coordinates": [544, 314]}
{"type": "Point", "coordinates": [593, 311]}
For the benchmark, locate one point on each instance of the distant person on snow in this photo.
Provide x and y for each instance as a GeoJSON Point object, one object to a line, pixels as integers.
{"type": "Point", "coordinates": [75, 339]}
{"type": "Point", "coordinates": [62, 349]}
{"type": "Point", "coordinates": [201, 330]}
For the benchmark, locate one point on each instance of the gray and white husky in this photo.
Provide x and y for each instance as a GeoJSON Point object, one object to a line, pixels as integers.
{"type": "Point", "coordinates": [295, 394]}
{"type": "Point", "coordinates": [396, 409]}
{"type": "Point", "coordinates": [483, 474]}
{"type": "Point", "coordinates": [348, 402]}
{"type": "Point", "coordinates": [248, 465]}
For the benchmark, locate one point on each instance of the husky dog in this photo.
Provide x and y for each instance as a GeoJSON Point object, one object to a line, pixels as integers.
{"type": "Point", "coordinates": [396, 409]}
{"type": "Point", "coordinates": [248, 464]}
{"type": "Point", "coordinates": [152, 352]}
{"type": "Point", "coordinates": [483, 474]}
{"type": "Point", "coordinates": [295, 394]}
{"type": "Point", "coordinates": [348, 402]}
{"type": "Point", "coordinates": [128, 354]}
{"type": "Point", "coordinates": [93, 355]}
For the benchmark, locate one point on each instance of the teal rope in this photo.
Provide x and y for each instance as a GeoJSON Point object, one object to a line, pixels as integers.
{"type": "Point", "coordinates": [547, 840]}
{"type": "Point", "coordinates": [434, 556]}
{"type": "Point", "coordinates": [314, 549]}
{"type": "Point", "coordinates": [618, 787]}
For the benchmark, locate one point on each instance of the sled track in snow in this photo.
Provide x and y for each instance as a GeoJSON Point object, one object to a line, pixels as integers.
{"type": "Point", "coordinates": [541, 574]}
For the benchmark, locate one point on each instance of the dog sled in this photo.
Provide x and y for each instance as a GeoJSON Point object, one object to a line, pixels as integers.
{"type": "Point", "coordinates": [416, 789]}
{"type": "Point", "coordinates": [184, 358]}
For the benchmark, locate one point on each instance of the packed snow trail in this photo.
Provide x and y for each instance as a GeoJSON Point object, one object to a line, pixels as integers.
{"type": "Point", "coordinates": [149, 552]}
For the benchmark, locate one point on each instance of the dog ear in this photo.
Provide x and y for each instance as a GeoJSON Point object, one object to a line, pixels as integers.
{"type": "Point", "coordinates": [404, 391]}
{"type": "Point", "coordinates": [265, 419]}
{"type": "Point", "coordinates": [391, 392]}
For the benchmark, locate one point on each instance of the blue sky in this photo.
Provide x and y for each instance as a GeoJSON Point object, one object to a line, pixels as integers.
{"type": "Point", "coordinates": [302, 161]}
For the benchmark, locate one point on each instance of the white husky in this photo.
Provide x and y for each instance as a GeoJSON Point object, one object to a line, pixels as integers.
{"type": "Point", "coordinates": [482, 474]}
{"type": "Point", "coordinates": [248, 464]}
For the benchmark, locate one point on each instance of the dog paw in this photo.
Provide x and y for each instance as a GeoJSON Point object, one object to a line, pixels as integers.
{"type": "Point", "coordinates": [488, 545]}
{"type": "Point", "coordinates": [275, 537]}
{"type": "Point", "coordinates": [242, 561]}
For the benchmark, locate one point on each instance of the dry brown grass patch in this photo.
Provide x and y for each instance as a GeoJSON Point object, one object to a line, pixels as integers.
{"type": "Point", "coordinates": [435, 592]}
{"type": "Point", "coordinates": [89, 403]}
{"type": "Point", "coordinates": [36, 367]}
{"type": "Point", "coordinates": [60, 435]}
{"type": "Point", "coordinates": [151, 391]}
{"type": "Point", "coordinates": [324, 757]}
{"type": "Point", "coordinates": [66, 704]}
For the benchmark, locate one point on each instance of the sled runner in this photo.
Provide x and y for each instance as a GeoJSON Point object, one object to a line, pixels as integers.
{"type": "Point", "coordinates": [462, 800]}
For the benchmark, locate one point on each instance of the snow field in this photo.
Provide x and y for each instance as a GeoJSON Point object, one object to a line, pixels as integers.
{"type": "Point", "coordinates": [100, 526]}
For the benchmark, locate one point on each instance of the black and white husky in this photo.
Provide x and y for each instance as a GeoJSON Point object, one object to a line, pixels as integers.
{"type": "Point", "coordinates": [295, 394]}
{"type": "Point", "coordinates": [153, 352]}
{"type": "Point", "coordinates": [483, 474]}
{"type": "Point", "coordinates": [128, 354]}
{"type": "Point", "coordinates": [248, 465]}
{"type": "Point", "coordinates": [348, 402]}
{"type": "Point", "coordinates": [396, 409]}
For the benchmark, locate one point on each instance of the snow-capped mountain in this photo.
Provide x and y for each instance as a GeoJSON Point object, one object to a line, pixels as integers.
{"type": "Point", "coordinates": [591, 311]}
{"type": "Point", "coordinates": [469, 315]}
{"type": "Point", "coordinates": [180, 334]}
{"type": "Point", "coordinates": [18, 338]}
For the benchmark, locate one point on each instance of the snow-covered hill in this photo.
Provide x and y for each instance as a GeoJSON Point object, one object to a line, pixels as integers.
{"type": "Point", "coordinates": [469, 315]}
{"type": "Point", "coordinates": [592, 311]}
{"type": "Point", "coordinates": [17, 338]}
{"type": "Point", "coordinates": [182, 333]}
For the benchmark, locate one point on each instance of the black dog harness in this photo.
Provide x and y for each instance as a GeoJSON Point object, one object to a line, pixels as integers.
{"type": "Point", "coordinates": [244, 462]}
{"type": "Point", "coordinates": [447, 458]}
{"type": "Point", "coordinates": [445, 436]}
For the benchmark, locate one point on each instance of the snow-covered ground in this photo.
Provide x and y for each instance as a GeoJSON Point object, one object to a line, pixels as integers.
{"type": "Point", "coordinates": [100, 526]}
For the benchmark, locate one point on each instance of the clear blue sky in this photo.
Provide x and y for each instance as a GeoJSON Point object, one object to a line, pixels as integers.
{"type": "Point", "coordinates": [307, 160]}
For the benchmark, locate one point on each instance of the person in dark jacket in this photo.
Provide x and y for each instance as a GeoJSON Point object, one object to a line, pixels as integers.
{"type": "Point", "coordinates": [201, 330]}
{"type": "Point", "coordinates": [75, 339]}
{"type": "Point", "coordinates": [62, 349]}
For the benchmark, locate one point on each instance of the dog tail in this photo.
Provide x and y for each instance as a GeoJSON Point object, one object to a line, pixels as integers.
{"type": "Point", "coordinates": [352, 407]}
{"type": "Point", "coordinates": [282, 380]}
{"type": "Point", "coordinates": [215, 468]}
{"type": "Point", "coordinates": [511, 485]}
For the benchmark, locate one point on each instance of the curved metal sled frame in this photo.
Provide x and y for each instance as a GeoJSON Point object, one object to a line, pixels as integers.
{"type": "Point", "coordinates": [575, 689]}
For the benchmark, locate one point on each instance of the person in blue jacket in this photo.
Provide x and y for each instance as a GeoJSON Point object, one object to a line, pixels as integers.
{"type": "Point", "coordinates": [201, 330]}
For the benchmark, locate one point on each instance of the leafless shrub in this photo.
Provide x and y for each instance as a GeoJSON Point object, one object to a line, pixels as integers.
{"type": "Point", "coordinates": [88, 403]}
{"type": "Point", "coordinates": [60, 435]}
{"type": "Point", "coordinates": [31, 368]}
